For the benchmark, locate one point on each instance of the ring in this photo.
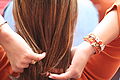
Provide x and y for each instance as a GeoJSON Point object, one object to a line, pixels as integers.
{"type": "Point", "coordinates": [33, 62]}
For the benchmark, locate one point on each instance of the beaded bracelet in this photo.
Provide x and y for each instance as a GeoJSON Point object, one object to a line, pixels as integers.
{"type": "Point", "coordinates": [95, 42]}
{"type": "Point", "coordinates": [3, 24]}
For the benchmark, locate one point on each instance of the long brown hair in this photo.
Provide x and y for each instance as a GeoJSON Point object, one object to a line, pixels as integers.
{"type": "Point", "coordinates": [47, 26]}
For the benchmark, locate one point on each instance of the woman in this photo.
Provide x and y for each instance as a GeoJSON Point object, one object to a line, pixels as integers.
{"type": "Point", "coordinates": [47, 26]}
{"type": "Point", "coordinates": [16, 49]}
{"type": "Point", "coordinates": [104, 65]}
{"type": "Point", "coordinates": [49, 30]}
{"type": "Point", "coordinates": [19, 20]}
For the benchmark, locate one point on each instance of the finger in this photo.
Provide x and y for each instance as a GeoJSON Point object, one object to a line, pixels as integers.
{"type": "Point", "coordinates": [26, 61]}
{"type": "Point", "coordinates": [66, 75]}
{"type": "Point", "coordinates": [25, 65]}
{"type": "Point", "coordinates": [17, 70]}
{"type": "Point", "coordinates": [14, 74]}
{"type": "Point", "coordinates": [21, 66]}
{"type": "Point", "coordinates": [36, 56]}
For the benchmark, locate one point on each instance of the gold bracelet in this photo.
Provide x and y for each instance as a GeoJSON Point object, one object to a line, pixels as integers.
{"type": "Point", "coordinates": [3, 24]}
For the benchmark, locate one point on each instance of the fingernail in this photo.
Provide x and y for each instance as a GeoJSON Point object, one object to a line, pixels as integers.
{"type": "Point", "coordinates": [50, 76]}
{"type": "Point", "coordinates": [44, 54]}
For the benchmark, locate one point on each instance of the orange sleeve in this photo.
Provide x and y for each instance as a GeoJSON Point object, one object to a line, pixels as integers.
{"type": "Point", "coordinates": [102, 6]}
{"type": "Point", "coordinates": [4, 65]}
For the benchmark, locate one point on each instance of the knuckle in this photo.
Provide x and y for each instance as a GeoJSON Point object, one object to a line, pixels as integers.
{"type": "Point", "coordinates": [19, 65]}
{"type": "Point", "coordinates": [26, 66]}
{"type": "Point", "coordinates": [14, 69]}
{"type": "Point", "coordinates": [26, 55]}
{"type": "Point", "coordinates": [21, 71]}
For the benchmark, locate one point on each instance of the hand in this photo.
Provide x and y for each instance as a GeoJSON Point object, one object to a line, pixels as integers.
{"type": "Point", "coordinates": [18, 52]}
{"type": "Point", "coordinates": [81, 55]}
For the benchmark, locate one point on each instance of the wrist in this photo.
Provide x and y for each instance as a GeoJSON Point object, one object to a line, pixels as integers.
{"type": "Point", "coordinates": [87, 48]}
{"type": "Point", "coordinates": [3, 27]}
{"type": "Point", "coordinates": [5, 33]}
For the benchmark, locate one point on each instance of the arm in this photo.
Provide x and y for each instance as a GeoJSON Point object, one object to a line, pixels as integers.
{"type": "Point", "coordinates": [18, 51]}
{"type": "Point", "coordinates": [109, 28]}
{"type": "Point", "coordinates": [107, 31]}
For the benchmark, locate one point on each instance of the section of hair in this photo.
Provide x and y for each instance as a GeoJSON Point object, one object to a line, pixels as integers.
{"type": "Point", "coordinates": [47, 26]}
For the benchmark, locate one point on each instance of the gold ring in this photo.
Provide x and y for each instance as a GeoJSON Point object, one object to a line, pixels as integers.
{"type": "Point", "coordinates": [33, 62]}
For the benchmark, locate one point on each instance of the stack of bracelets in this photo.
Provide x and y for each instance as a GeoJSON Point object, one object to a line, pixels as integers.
{"type": "Point", "coordinates": [95, 42]}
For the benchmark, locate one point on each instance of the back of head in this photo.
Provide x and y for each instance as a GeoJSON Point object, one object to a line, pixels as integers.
{"type": "Point", "coordinates": [47, 26]}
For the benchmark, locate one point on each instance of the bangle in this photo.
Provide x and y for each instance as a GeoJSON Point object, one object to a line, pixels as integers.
{"type": "Point", "coordinates": [3, 24]}
{"type": "Point", "coordinates": [95, 42]}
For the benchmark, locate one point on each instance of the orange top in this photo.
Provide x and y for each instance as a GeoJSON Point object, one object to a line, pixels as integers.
{"type": "Point", "coordinates": [100, 66]}
{"type": "Point", "coordinates": [4, 65]}
{"type": "Point", "coordinates": [102, 6]}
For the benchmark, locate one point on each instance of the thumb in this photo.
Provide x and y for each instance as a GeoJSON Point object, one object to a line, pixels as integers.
{"type": "Point", "coordinates": [36, 56]}
{"type": "Point", "coordinates": [66, 75]}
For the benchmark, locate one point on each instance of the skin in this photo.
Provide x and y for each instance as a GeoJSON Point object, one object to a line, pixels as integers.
{"type": "Point", "coordinates": [107, 31]}
{"type": "Point", "coordinates": [21, 55]}
{"type": "Point", "coordinates": [18, 51]}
